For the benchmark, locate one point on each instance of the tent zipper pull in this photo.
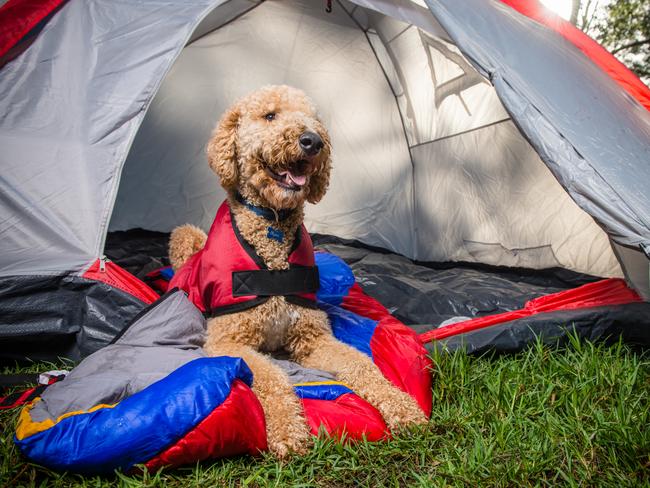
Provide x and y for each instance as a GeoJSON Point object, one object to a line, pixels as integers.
{"type": "Point", "coordinates": [328, 8]}
{"type": "Point", "coordinates": [102, 263]}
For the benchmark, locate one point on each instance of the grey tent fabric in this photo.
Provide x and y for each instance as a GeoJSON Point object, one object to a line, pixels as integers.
{"type": "Point", "coordinates": [430, 186]}
{"type": "Point", "coordinates": [600, 160]}
{"type": "Point", "coordinates": [70, 106]}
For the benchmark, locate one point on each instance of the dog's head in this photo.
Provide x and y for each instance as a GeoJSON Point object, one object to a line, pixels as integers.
{"type": "Point", "coordinates": [272, 148]}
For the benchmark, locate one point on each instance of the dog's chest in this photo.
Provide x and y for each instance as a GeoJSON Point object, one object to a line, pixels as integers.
{"type": "Point", "coordinates": [277, 324]}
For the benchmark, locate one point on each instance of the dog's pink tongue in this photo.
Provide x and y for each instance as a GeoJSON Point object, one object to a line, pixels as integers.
{"type": "Point", "coordinates": [297, 179]}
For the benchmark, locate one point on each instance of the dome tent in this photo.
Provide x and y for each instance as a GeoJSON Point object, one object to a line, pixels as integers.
{"type": "Point", "coordinates": [461, 131]}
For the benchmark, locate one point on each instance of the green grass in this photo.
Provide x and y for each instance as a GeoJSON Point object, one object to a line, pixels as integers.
{"type": "Point", "coordinates": [573, 417]}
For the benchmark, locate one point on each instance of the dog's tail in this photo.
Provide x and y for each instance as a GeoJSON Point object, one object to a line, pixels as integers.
{"type": "Point", "coordinates": [183, 242]}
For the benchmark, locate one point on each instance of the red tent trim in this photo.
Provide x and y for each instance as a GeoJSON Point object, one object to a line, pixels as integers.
{"type": "Point", "coordinates": [616, 70]}
{"type": "Point", "coordinates": [18, 17]}
{"type": "Point", "coordinates": [608, 292]}
{"type": "Point", "coordinates": [111, 274]}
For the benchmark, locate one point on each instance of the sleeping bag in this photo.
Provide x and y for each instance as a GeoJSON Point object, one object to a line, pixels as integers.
{"type": "Point", "coordinates": [152, 397]}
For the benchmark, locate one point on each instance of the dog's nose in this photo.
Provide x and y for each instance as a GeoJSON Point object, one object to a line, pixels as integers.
{"type": "Point", "coordinates": [310, 143]}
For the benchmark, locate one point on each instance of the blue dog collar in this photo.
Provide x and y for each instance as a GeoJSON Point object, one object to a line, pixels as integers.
{"type": "Point", "coordinates": [267, 213]}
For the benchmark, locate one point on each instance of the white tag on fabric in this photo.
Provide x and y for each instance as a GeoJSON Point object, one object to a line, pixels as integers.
{"type": "Point", "coordinates": [44, 378]}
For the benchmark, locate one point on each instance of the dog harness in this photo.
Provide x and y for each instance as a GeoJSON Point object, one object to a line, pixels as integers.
{"type": "Point", "coordinates": [228, 276]}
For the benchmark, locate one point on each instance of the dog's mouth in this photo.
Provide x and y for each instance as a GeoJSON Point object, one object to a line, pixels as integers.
{"type": "Point", "coordinates": [290, 179]}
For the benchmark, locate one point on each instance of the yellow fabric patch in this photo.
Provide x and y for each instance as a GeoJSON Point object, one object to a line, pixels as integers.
{"type": "Point", "coordinates": [27, 427]}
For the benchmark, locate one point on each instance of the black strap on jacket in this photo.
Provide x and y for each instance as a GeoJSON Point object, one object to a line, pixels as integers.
{"type": "Point", "coordinates": [264, 282]}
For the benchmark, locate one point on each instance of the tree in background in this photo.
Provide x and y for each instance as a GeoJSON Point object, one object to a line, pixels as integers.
{"type": "Point", "coordinates": [621, 26]}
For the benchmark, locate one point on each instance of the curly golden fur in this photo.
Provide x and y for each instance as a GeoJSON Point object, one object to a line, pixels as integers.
{"type": "Point", "coordinates": [254, 147]}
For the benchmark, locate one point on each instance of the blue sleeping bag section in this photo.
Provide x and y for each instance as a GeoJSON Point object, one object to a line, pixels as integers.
{"type": "Point", "coordinates": [321, 392]}
{"type": "Point", "coordinates": [350, 328]}
{"type": "Point", "coordinates": [138, 427]}
{"type": "Point", "coordinates": [336, 278]}
{"type": "Point", "coordinates": [130, 401]}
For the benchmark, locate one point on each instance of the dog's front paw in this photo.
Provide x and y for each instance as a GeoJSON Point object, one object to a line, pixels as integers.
{"type": "Point", "coordinates": [400, 411]}
{"type": "Point", "coordinates": [290, 438]}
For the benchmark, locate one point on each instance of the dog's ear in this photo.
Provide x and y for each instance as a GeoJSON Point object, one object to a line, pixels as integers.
{"type": "Point", "coordinates": [320, 180]}
{"type": "Point", "coordinates": [222, 149]}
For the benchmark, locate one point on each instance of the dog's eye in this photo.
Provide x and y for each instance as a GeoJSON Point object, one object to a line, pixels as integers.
{"type": "Point", "coordinates": [270, 116]}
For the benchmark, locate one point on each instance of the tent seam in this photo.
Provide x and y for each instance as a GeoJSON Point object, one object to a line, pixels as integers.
{"type": "Point", "coordinates": [254, 5]}
{"type": "Point", "coordinates": [401, 117]}
{"type": "Point", "coordinates": [400, 33]}
{"type": "Point", "coordinates": [468, 131]}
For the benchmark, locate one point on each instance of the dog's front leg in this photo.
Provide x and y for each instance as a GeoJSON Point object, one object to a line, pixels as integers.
{"type": "Point", "coordinates": [313, 345]}
{"type": "Point", "coordinates": [286, 429]}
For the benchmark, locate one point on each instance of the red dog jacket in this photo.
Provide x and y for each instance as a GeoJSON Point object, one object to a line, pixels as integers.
{"type": "Point", "coordinates": [228, 276]}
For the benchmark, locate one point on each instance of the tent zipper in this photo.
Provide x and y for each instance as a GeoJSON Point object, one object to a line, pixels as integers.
{"type": "Point", "coordinates": [102, 263]}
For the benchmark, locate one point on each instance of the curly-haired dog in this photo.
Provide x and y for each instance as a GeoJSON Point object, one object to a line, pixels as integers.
{"type": "Point", "coordinates": [272, 154]}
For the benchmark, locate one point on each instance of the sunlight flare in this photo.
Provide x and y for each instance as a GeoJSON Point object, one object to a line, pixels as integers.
{"type": "Point", "coordinates": [560, 7]}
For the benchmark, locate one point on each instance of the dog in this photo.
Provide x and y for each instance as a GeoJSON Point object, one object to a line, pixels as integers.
{"type": "Point", "coordinates": [272, 154]}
